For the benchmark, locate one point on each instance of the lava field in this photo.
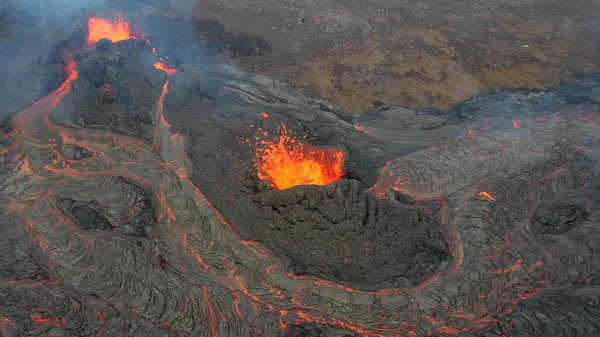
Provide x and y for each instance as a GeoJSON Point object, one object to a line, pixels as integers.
{"type": "Point", "coordinates": [145, 197]}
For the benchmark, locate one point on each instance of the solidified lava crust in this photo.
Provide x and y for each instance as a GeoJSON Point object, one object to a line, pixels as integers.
{"type": "Point", "coordinates": [360, 238]}
{"type": "Point", "coordinates": [131, 206]}
{"type": "Point", "coordinates": [133, 214]}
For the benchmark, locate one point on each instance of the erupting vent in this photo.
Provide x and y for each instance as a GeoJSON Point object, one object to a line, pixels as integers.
{"type": "Point", "coordinates": [288, 163]}
{"type": "Point", "coordinates": [118, 30]}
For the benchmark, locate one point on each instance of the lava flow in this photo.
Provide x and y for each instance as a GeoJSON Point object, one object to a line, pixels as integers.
{"type": "Point", "coordinates": [118, 30]}
{"type": "Point", "coordinates": [163, 67]}
{"type": "Point", "coordinates": [289, 163]}
{"type": "Point", "coordinates": [171, 146]}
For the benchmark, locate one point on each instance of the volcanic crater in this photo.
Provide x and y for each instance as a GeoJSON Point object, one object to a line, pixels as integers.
{"type": "Point", "coordinates": [133, 203]}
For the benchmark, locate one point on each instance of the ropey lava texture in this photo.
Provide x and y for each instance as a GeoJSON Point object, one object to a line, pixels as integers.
{"type": "Point", "coordinates": [480, 219]}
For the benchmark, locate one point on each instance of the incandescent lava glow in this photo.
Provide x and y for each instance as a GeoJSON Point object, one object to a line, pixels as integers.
{"type": "Point", "coordinates": [163, 67]}
{"type": "Point", "coordinates": [288, 162]}
{"type": "Point", "coordinates": [118, 30]}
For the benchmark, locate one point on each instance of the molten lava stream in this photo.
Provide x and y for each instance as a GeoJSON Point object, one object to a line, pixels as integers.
{"type": "Point", "coordinates": [171, 147]}
{"type": "Point", "coordinates": [288, 163]}
{"type": "Point", "coordinates": [36, 118]}
{"type": "Point", "coordinates": [163, 67]}
{"type": "Point", "coordinates": [118, 30]}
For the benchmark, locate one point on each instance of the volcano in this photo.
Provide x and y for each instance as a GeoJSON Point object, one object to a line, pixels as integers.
{"type": "Point", "coordinates": [145, 197]}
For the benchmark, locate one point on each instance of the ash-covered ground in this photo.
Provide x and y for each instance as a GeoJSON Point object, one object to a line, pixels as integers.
{"type": "Point", "coordinates": [482, 219]}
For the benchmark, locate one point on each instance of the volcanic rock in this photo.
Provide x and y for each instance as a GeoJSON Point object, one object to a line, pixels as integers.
{"type": "Point", "coordinates": [362, 239]}
{"type": "Point", "coordinates": [117, 89]}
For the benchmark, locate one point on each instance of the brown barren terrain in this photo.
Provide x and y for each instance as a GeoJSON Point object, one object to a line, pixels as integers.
{"type": "Point", "coordinates": [361, 54]}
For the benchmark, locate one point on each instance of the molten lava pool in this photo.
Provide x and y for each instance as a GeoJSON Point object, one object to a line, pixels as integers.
{"type": "Point", "coordinates": [118, 30]}
{"type": "Point", "coordinates": [288, 163]}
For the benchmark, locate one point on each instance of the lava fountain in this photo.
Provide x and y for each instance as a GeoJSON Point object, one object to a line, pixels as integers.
{"type": "Point", "coordinates": [118, 30]}
{"type": "Point", "coordinates": [288, 162]}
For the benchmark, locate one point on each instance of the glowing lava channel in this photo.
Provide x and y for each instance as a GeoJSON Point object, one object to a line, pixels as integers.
{"type": "Point", "coordinates": [118, 30]}
{"type": "Point", "coordinates": [289, 163]}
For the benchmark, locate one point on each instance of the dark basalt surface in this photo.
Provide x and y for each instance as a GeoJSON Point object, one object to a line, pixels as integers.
{"type": "Point", "coordinates": [74, 152]}
{"type": "Point", "coordinates": [46, 73]}
{"type": "Point", "coordinates": [361, 239]}
{"type": "Point", "coordinates": [133, 215]}
{"type": "Point", "coordinates": [480, 220]}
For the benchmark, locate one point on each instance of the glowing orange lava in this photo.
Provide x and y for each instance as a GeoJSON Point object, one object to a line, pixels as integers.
{"type": "Point", "coordinates": [118, 30]}
{"type": "Point", "coordinates": [487, 194]}
{"type": "Point", "coordinates": [289, 162]}
{"type": "Point", "coordinates": [163, 67]}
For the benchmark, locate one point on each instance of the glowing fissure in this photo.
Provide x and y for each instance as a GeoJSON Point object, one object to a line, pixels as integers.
{"type": "Point", "coordinates": [289, 162]}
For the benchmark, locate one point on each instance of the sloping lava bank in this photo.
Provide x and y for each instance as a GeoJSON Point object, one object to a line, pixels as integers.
{"type": "Point", "coordinates": [480, 220]}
